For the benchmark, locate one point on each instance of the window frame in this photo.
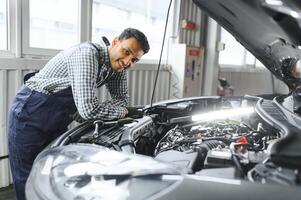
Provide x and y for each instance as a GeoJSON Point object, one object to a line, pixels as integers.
{"type": "Point", "coordinates": [18, 30]}
{"type": "Point", "coordinates": [9, 52]}
{"type": "Point", "coordinates": [173, 27]}
{"type": "Point", "coordinates": [84, 12]}
{"type": "Point", "coordinates": [245, 64]}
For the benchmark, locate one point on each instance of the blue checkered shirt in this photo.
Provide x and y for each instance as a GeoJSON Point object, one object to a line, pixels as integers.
{"type": "Point", "coordinates": [85, 67]}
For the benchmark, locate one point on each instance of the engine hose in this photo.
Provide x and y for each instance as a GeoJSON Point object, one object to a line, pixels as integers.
{"type": "Point", "coordinates": [235, 159]}
{"type": "Point", "coordinates": [224, 140]}
{"type": "Point", "coordinates": [211, 144]}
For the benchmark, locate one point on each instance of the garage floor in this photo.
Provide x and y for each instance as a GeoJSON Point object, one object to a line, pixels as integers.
{"type": "Point", "coordinates": [7, 193]}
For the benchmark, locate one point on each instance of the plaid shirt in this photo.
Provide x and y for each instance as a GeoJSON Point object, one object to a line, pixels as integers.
{"type": "Point", "coordinates": [85, 67]}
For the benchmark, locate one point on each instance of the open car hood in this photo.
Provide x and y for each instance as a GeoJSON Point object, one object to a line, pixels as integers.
{"type": "Point", "coordinates": [269, 29]}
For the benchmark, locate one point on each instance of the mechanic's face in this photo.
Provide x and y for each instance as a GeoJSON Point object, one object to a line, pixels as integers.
{"type": "Point", "coordinates": [124, 54]}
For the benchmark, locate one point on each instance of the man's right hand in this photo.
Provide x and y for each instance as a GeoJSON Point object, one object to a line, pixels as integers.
{"type": "Point", "coordinates": [134, 112]}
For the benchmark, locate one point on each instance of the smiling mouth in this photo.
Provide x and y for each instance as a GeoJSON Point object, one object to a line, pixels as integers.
{"type": "Point", "coordinates": [122, 66]}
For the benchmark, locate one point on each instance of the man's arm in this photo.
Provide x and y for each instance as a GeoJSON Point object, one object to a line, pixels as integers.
{"type": "Point", "coordinates": [82, 68]}
{"type": "Point", "coordinates": [118, 89]}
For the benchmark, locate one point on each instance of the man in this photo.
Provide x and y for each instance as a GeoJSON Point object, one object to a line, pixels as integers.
{"type": "Point", "coordinates": [42, 108]}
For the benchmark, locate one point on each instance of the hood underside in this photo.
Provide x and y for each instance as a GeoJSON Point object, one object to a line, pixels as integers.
{"type": "Point", "coordinates": [269, 29]}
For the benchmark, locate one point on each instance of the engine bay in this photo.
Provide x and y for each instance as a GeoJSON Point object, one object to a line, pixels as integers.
{"type": "Point", "coordinates": [210, 136]}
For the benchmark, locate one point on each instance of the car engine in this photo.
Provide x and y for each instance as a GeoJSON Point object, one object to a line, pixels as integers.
{"type": "Point", "coordinates": [236, 147]}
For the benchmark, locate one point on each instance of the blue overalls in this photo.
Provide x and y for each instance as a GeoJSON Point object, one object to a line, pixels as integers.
{"type": "Point", "coordinates": [35, 119]}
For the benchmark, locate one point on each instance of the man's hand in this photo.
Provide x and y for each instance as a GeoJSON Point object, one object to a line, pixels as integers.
{"type": "Point", "coordinates": [134, 112]}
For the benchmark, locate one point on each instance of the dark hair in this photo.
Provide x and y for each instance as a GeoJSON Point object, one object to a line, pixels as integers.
{"type": "Point", "coordinates": [140, 37]}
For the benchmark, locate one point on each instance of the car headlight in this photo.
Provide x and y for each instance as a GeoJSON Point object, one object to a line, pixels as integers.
{"type": "Point", "coordinates": [92, 172]}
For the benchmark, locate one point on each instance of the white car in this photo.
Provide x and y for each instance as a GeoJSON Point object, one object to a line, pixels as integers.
{"type": "Point", "coordinates": [196, 148]}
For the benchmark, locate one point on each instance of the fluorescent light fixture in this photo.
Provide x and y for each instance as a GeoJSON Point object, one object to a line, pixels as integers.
{"type": "Point", "coordinates": [274, 2]}
{"type": "Point", "coordinates": [222, 114]}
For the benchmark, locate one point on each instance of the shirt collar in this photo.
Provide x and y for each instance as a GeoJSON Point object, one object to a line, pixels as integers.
{"type": "Point", "coordinates": [105, 57]}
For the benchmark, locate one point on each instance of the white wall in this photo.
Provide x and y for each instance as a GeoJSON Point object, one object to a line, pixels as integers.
{"type": "Point", "coordinates": [253, 82]}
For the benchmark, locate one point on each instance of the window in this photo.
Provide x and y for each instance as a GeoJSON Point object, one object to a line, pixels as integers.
{"type": "Point", "coordinates": [3, 25]}
{"type": "Point", "coordinates": [234, 54]}
{"type": "Point", "coordinates": [111, 17]}
{"type": "Point", "coordinates": [48, 26]}
{"type": "Point", "coordinates": [53, 24]}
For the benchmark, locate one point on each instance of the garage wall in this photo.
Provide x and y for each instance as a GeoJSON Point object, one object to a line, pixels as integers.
{"type": "Point", "coordinates": [141, 81]}
{"type": "Point", "coordinates": [253, 82]}
{"type": "Point", "coordinates": [189, 11]}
